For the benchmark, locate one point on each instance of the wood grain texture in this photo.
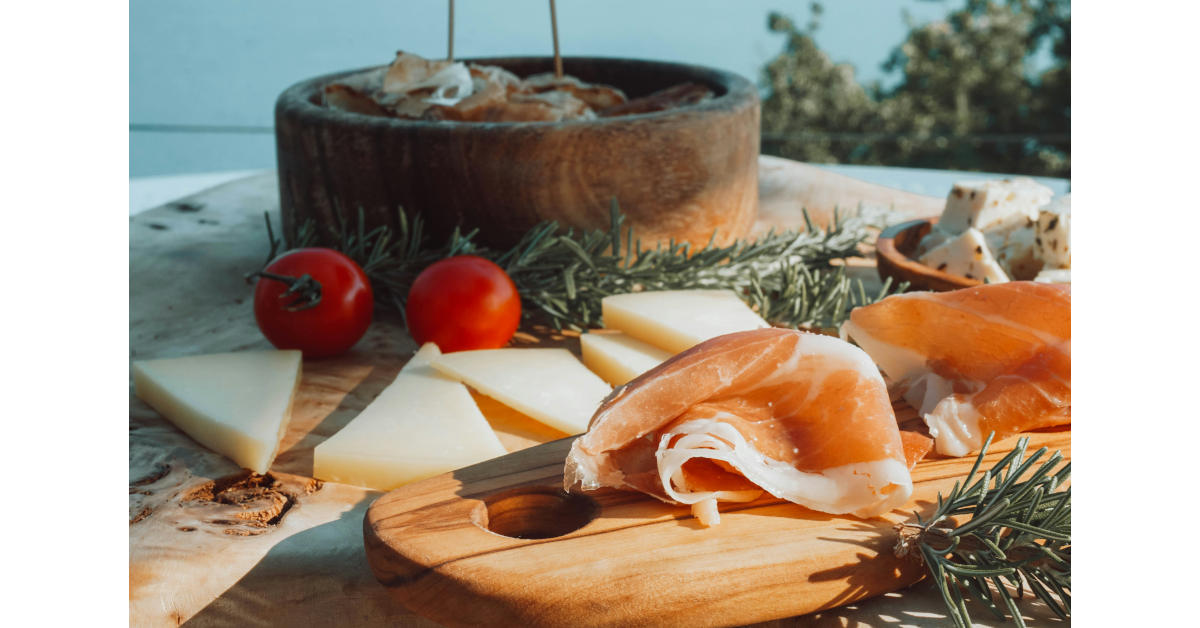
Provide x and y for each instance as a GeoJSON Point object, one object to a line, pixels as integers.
{"type": "Point", "coordinates": [634, 561]}
{"type": "Point", "coordinates": [894, 251]}
{"type": "Point", "coordinates": [679, 173]}
{"type": "Point", "coordinates": [785, 186]}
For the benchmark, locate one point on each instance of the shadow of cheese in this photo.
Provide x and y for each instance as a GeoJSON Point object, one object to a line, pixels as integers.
{"type": "Point", "coordinates": [315, 577]}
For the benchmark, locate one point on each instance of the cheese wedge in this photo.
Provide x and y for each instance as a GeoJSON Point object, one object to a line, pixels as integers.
{"type": "Point", "coordinates": [236, 404]}
{"type": "Point", "coordinates": [674, 320]}
{"type": "Point", "coordinates": [549, 385]}
{"type": "Point", "coordinates": [421, 425]}
{"type": "Point", "coordinates": [619, 358]}
{"type": "Point", "coordinates": [966, 255]}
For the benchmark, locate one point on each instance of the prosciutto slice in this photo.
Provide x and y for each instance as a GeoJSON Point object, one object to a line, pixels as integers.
{"type": "Point", "coordinates": [993, 358]}
{"type": "Point", "coordinates": [804, 417]}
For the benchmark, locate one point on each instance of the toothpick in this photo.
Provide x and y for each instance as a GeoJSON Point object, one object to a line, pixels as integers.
{"type": "Point", "coordinates": [558, 71]}
{"type": "Point", "coordinates": [450, 47]}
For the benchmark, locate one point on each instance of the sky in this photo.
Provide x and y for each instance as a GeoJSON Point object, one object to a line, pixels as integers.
{"type": "Point", "coordinates": [222, 63]}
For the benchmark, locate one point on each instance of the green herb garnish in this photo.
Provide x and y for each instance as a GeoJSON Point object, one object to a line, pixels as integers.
{"type": "Point", "coordinates": [1018, 535]}
{"type": "Point", "coordinates": [788, 277]}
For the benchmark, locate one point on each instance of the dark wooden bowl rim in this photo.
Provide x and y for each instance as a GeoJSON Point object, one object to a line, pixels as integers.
{"type": "Point", "coordinates": [731, 90]}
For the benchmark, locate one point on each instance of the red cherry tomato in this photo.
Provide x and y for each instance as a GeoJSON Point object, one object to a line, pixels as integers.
{"type": "Point", "coordinates": [462, 303]}
{"type": "Point", "coordinates": [339, 317]}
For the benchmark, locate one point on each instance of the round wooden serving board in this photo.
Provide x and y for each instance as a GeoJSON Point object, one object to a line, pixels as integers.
{"type": "Point", "coordinates": [210, 545]}
{"type": "Point", "coordinates": [446, 549]}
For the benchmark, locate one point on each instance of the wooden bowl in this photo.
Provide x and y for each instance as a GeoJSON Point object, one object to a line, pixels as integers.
{"type": "Point", "coordinates": [679, 173]}
{"type": "Point", "coordinates": [893, 258]}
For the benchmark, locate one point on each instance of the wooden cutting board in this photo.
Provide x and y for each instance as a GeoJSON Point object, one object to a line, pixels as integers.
{"type": "Point", "coordinates": [449, 548]}
{"type": "Point", "coordinates": [200, 553]}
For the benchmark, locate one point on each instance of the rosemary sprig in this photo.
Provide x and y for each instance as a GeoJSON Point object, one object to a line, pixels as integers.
{"type": "Point", "coordinates": [788, 277]}
{"type": "Point", "coordinates": [1018, 534]}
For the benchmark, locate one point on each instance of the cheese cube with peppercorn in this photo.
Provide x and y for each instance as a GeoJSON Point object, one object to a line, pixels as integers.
{"type": "Point", "coordinates": [1015, 249]}
{"type": "Point", "coordinates": [966, 255]}
{"type": "Point", "coordinates": [1054, 233]}
{"type": "Point", "coordinates": [991, 205]}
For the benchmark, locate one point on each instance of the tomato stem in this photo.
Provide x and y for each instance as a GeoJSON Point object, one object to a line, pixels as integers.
{"type": "Point", "coordinates": [306, 289]}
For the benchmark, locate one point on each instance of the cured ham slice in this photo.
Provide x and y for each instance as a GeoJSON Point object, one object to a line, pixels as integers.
{"type": "Point", "coordinates": [416, 88]}
{"type": "Point", "coordinates": [993, 358]}
{"type": "Point", "coordinates": [595, 96]}
{"type": "Point", "coordinates": [916, 446]}
{"type": "Point", "coordinates": [347, 98]}
{"type": "Point", "coordinates": [804, 417]}
{"type": "Point", "coordinates": [669, 98]}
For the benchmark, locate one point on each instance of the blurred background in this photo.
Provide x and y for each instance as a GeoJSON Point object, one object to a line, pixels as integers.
{"type": "Point", "coordinates": [952, 84]}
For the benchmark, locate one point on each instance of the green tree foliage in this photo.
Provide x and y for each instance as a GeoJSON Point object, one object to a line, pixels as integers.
{"type": "Point", "coordinates": [966, 98]}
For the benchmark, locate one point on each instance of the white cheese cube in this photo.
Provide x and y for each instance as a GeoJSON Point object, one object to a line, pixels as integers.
{"type": "Point", "coordinates": [993, 204]}
{"type": "Point", "coordinates": [1054, 275]}
{"type": "Point", "coordinates": [617, 357]}
{"type": "Point", "coordinates": [674, 320]}
{"type": "Point", "coordinates": [236, 404]}
{"type": "Point", "coordinates": [1015, 249]}
{"type": "Point", "coordinates": [932, 240]}
{"type": "Point", "coordinates": [548, 385]}
{"type": "Point", "coordinates": [966, 255]}
{"type": "Point", "coordinates": [1054, 233]}
{"type": "Point", "coordinates": [421, 425]}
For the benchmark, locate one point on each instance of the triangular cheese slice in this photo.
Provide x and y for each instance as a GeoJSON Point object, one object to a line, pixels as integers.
{"type": "Point", "coordinates": [618, 357]}
{"type": "Point", "coordinates": [236, 404]}
{"type": "Point", "coordinates": [421, 425]}
{"type": "Point", "coordinates": [549, 385]}
{"type": "Point", "coordinates": [674, 320]}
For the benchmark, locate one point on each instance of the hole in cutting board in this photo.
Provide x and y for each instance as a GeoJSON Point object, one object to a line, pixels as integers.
{"type": "Point", "coordinates": [538, 512]}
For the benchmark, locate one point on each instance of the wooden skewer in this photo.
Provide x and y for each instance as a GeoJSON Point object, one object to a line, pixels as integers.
{"type": "Point", "coordinates": [558, 71]}
{"type": "Point", "coordinates": [450, 47]}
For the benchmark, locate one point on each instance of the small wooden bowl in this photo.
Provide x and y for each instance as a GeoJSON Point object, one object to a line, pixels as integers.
{"type": "Point", "coordinates": [893, 259]}
{"type": "Point", "coordinates": [679, 173]}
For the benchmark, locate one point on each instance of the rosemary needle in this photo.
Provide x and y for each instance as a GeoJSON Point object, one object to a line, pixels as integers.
{"type": "Point", "coordinates": [1018, 535]}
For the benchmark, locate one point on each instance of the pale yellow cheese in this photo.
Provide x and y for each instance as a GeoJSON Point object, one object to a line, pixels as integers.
{"type": "Point", "coordinates": [236, 404]}
{"type": "Point", "coordinates": [674, 320]}
{"type": "Point", "coordinates": [619, 358]}
{"type": "Point", "coordinates": [549, 385]}
{"type": "Point", "coordinates": [421, 425]}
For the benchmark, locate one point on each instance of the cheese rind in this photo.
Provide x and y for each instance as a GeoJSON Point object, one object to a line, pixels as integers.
{"type": "Point", "coordinates": [675, 320]}
{"type": "Point", "coordinates": [619, 358]}
{"type": "Point", "coordinates": [993, 204]}
{"type": "Point", "coordinates": [236, 404]}
{"type": "Point", "coordinates": [423, 424]}
{"type": "Point", "coordinates": [549, 385]}
{"type": "Point", "coordinates": [1054, 233]}
{"type": "Point", "coordinates": [966, 255]}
